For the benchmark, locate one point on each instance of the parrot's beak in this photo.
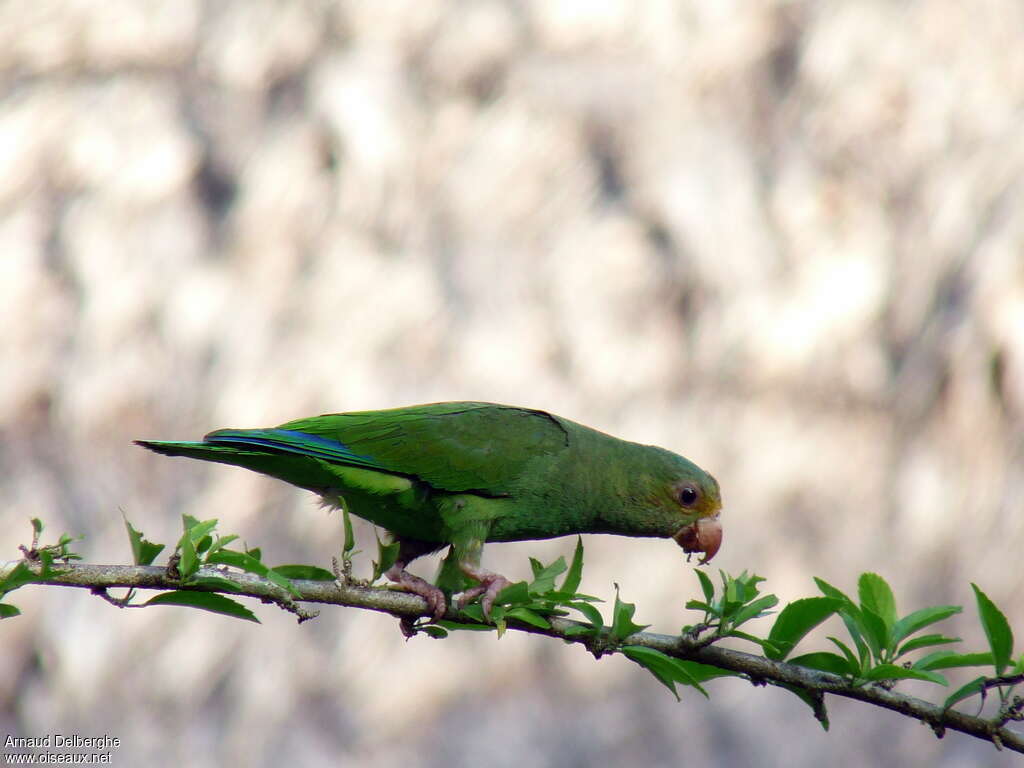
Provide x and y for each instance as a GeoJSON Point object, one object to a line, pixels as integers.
{"type": "Point", "coordinates": [705, 536]}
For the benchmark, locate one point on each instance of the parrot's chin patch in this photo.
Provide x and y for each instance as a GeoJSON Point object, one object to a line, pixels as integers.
{"type": "Point", "coordinates": [704, 536]}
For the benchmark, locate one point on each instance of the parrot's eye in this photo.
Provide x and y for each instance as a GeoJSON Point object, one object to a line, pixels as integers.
{"type": "Point", "coordinates": [688, 495]}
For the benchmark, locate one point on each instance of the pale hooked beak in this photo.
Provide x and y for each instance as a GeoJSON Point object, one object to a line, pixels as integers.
{"type": "Point", "coordinates": [705, 536]}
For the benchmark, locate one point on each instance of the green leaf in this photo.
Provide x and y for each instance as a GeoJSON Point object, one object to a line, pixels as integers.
{"type": "Point", "coordinates": [143, 552]}
{"type": "Point", "coordinates": [873, 629]}
{"type": "Point", "coordinates": [734, 594]}
{"type": "Point", "coordinates": [306, 572]}
{"type": "Point", "coordinates": [568, 597]}
{"type": "Point", "coordinates": [592, 614]}
{"type": "Point", "coordinates": [950, 659]}
{"type": "Point", "coordinates": [544, 577]}
{"type": "Point", "coordinates": [706, 586]}
{"type": "Point", "coordinates": [19, 576]}
{"type": "Point", "coordinates": [255, 553]}
{"type": "Point", "coordinates": [895, 672]}
{"type": "Point", "coordinates": [816, 701]}
{"type": "Point", "coordinates": [829, 591]}
{"type": "Point", "coordinates": [660, 671]}
{"type": "Point", "coordinates": [37, 526]}
{"type": "Point", "coordinates": [519, 592]}
{"type": "Point", "coordinates": [851, 658]}
{"type": "Point", "coordinates": [46, 561]}
{"type": "Point", "coordinates": [754, 610]}
{"type": "Point", "coordinates": [997, 630]}
{"type": "Point", "coordinates": [826, 661]}
{"type": "Point", "coordinates": [189, 562]}
{"type": "Point", "coordinates": [1018, 667]}
{"type": "Point", "coordinates": [198, 531]}
{"type": "Point", "coordinates": [742, 591]}
{"type": "Point", "coordinates": [545, 608]}
{"type": "Point", "coordinates": [434, 631]}
{"type": "Point", "coordinates": [221, 542]}
{"type": "Point", "coordinates": [622, 619]}
{"type": "Point", "coordinates": [214, 582]}
{"type": "Point", "coordinates": [207, 601]}
{"type": "Point", "coordinates": [575, 574]}
{"type": "Point", "coordinates": [977, 685]}
{"type": "Point", "coordinates": [8, 611]}
{"type": "Point", "coordinates": [476, 612]}
{"type": "Point", "coordinates": [241, 560]}
{"type": "Point", "coordinates": [527, 616]}
{"type": "Point", "coordinates": [796, 620]}
{"type": "Point", "coordinates": [195, 532]}
{"type": "Point", "coordinates": [387, 556]}
{"type": "Point", "coordinates": [453, 625]}
{"type": "Point", "coordinates": [918, 620]}
{"type": "Point", "coordinates": [701, 672]}
{"type": "Point", "coordinates": [850, 614]}
{"type": "Point", "coordinates": [663, 667]}
{"type": "Point", "coordinates": [576, 630]}
{"type": "Point", "coordinates": [925, 641]}
{"type": "Point", "coordinates": [246, 562]}
{"type": "Point", "coordinates": [766, 645]}
{"type": "Point", "coordinates": [876, 596]}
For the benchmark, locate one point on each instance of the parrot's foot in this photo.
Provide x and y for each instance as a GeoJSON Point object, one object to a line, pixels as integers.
{"type": "Point", "coordinates": [490, 585]}
{"type": "Point", "coordinates": [410, 583]}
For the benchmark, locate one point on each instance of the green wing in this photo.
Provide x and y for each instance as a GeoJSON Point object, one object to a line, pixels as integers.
{"type": "Point", "coordinates": [454, 447]}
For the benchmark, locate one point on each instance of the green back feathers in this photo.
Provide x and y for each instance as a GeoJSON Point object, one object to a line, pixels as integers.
{"type": "Point", "coordinates": [453, 447]}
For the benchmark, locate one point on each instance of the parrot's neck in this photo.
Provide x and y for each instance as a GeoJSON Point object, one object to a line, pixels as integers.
{"type": "Point", "coordinates": [634, 512]}
{"type": "Point", "coordinates": [621, 487]}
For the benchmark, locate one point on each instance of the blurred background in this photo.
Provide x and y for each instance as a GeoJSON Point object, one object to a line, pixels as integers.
{"type": "Point", "coordinates": [785, 239]}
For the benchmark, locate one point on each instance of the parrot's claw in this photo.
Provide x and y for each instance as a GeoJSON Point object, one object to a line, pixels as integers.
{"type": "Point", "coordinates": [436, 606]}
{"type": "Point", "coordinates": [490, 586]}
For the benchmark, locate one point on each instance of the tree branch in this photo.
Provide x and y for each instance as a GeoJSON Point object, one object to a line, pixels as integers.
{"type": "Point", "coordinates": [757, 669]}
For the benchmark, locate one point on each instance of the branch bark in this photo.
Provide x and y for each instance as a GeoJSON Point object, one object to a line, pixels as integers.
{"type": "Point", "coordinates": [757, 669]}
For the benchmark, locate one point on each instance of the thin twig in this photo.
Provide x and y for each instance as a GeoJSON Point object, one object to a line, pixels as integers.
{"type": "Point", "coordinates": [757, 669]}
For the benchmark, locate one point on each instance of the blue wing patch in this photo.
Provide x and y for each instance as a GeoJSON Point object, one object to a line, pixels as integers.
{"type": "Point", "coordinates": [291, 441]}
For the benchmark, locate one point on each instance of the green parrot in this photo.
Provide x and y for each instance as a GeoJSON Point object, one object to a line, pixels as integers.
{"type": "Point", "coordinates": [463, 473]}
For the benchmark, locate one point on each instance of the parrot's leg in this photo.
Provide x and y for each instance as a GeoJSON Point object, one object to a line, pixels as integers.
{"type": "Point", "coordinates": [409, 550]}
{"type": "Point", "coordinates": [468, 546]}
{"type": "Point", "coordinates": [469, 519]}
{"type": "Point", "coordinates": [490, 585]}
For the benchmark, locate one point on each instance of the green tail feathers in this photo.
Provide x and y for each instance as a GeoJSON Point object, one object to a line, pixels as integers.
{"type": "Point", "coordinates": [303, 471]}
{"type": "Point", "coordinates": [193, 450]}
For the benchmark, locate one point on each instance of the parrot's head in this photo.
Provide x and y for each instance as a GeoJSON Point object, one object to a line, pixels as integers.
{"type": "Point", "coordinates": [691, 502]}
{"type": "Point", "coordinates": [705, 533]}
